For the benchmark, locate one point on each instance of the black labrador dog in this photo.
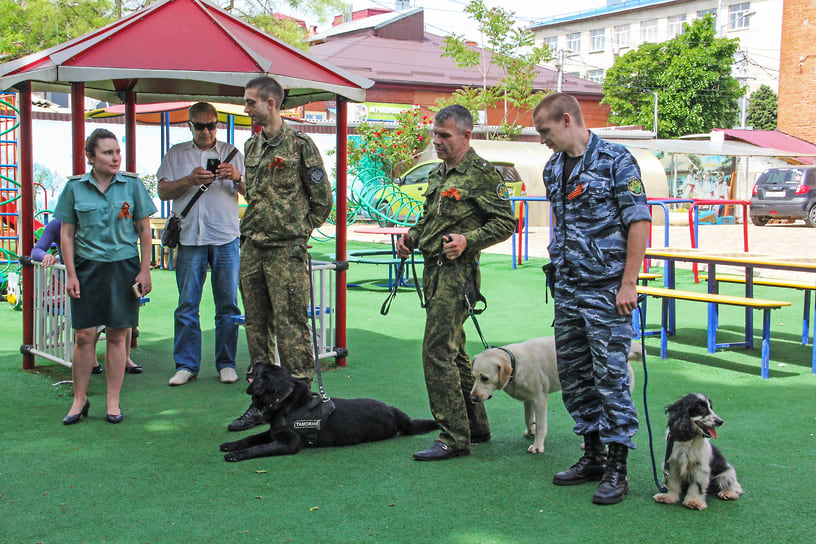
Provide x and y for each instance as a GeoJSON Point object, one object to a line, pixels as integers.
{"type": "Point", "coordinates": [301, 419]}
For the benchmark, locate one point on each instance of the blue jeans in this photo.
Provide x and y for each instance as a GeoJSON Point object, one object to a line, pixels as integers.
{"type": "Point", "coordinates": [191, 272]}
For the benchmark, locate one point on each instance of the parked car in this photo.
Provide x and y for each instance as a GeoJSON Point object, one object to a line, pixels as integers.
{"type": "Point", "coordinates": [414, 182]}
{"type": "Point", "coordinates": [786, 192]}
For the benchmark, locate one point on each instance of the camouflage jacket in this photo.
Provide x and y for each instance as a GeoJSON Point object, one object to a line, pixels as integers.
{"type": "Point", "coordinates": [471, 200]}
{"type": "Point", "coordinates": [603, 196]}
{"type": "Point", "coordinates": [288, 192]}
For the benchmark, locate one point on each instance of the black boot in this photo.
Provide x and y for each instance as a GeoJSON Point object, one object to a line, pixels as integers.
{"type": "Point", "coordinates": [249, 419]}
{"type": "Point", "coordinates": [590, 467]}
{"type": "Point", "coordinates": [614, 484]}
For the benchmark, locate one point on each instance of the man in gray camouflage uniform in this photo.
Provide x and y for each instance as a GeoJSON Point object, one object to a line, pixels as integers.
{"type": "Point", "coordinates": [599, 239]}
{"type": "Point", "coordinates": [288, 196]}
{"type": "Point", "coordinates": [466, 210]}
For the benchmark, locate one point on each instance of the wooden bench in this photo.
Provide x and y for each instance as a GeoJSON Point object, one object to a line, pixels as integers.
{"type": "Point", "coordinates": [786, 284]}
{"type": "Point", "coordinates": [713, 300]}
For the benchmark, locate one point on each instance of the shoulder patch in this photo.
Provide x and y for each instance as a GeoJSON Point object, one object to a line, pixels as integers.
{"type": "Point", "coordinates": [316, 174]}
{"type": "Point", "coordinates": [502, 191]}
{"type": "Point", "coordinates": [635, 186]}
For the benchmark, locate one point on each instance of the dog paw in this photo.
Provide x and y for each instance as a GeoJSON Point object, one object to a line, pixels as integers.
{"type": "Point", "coordinates": [728, 495]}
{"type": "Point", "coordinates": [231, 458]}
{"type": "Point", "coordinates": [665, 498]}
{"type": "Point", "coordinates": [226, 446]}
{"type": "Point", "coordinates": [529, 433]}
{"type": "Point", "coordinates": [695, 505]}
{"type": "Point", "coordinates": [535, 449]}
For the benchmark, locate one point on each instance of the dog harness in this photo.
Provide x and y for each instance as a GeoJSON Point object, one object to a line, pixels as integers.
{"type": "Point", "coordinates": [308, 420]}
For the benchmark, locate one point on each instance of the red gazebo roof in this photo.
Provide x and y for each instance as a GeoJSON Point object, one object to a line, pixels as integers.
{"type": "Point", "coordinates": [189, 49]}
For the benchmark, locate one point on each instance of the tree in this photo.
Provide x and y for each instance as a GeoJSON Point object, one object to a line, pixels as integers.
{"type": "Point", "coordinates": [762, 108]}
{"type": "Point", "coordinates": [32, 25]}
{"type": "Point", "coordinates": [692, 76]}
{"type": "Point", "coordinates": [508, 48]}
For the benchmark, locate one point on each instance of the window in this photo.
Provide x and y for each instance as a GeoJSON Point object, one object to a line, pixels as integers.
{"type": "Point", "coordinates": [675, 25]}
{"type": "Point", "coordinates": [738, 15]}
{"type": "Point", "coordinates": [574, 42]}
{"type": "Point", "coordinates": [551, 44]}
{"type": "Point", "coordinates": [703, 12]}
{"type": "Point", "coordinates": [597, 39]}
{"type": "Point", "coordinates": [621, 36]}
{"type": "Point", "coordinates": [648, 31]}
{"type": "Point", "coordinates": [596, 76]}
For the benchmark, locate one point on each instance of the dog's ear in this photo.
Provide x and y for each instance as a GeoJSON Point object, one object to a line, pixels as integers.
{"type": "Point", "coordinates": [504, 372]}
{"type": "Point", "coordinates": [679, 424]}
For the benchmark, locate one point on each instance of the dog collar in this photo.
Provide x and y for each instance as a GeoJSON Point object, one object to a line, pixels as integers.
{"type": "Point", "coordinates": [512, 364]}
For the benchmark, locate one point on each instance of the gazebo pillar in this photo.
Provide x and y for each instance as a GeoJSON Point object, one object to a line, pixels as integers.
{"type": "Point", "coordinates": [26, 217]}
{"type": "Point", "coordinates": [341, 223]}
{"type": "Point", "coordinates": [78, 127]}
{"type": "Point", "coordinates": [130, 130]}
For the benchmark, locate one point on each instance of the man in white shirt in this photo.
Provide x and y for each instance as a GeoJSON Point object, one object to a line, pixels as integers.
{"type": "Point", "coordinates": [209, 238]}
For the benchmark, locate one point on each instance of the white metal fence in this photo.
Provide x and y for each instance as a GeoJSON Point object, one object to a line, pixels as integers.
{"type": "Point", "coordinates": [53, 337]}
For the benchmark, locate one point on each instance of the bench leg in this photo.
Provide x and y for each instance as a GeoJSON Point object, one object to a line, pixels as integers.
{"type": "Point", "coordinates": [664, 333]}
{"type": "Point", "coordinates": [766, 343]}
{"type": "Point", "coordinates": [806, 318]}
{"type": "Point", "coordinates": [712, 327]}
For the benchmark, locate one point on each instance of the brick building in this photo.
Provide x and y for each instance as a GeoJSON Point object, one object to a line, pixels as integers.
{"type": "Point", "coordinates": [797, 70]}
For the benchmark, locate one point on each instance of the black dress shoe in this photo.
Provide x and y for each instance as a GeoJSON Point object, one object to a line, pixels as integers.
{"type": "Point", "coordinates": [439, 452]}
{"type": "Point", "coordinates": [135, 369]}
{"type": "Point", "coordinates": [114, 418]}
{"type": "Point", "coordinates": [97, 369]}
{"type": "Point", "coordinates": [251, 418]}
{"type": "Point", "coordinates": [70, 419]}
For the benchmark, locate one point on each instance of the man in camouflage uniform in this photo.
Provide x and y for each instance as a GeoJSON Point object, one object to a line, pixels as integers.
{"type": "Point", "coordinates": [466, 210]}
{"type": "Point", "coordinates": [288, 196]}
{"type": "Point", "coordinates": [599, 239]}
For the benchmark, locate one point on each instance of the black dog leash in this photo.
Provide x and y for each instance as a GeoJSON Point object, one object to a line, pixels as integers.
{"type": "Point", "coordinates": [392, 294]}
{"type": "Point", "coordinates": [660, 487]}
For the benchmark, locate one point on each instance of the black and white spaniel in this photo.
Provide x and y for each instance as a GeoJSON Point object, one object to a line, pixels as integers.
{"type": "Point", "coordinates": [693, 466]}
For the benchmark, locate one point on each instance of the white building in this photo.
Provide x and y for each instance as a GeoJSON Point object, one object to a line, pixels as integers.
{"type": "Point", "coordinates": [587, 43]}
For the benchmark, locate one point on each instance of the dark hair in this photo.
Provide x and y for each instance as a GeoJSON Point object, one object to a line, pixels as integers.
{"type": "Point", "coordinates": [460, 115]}
{"type": "Point", "coordinates": [267, 88]}
{"type": "Point", "coordinates": [203, 107]}
{"type": "Point", "coordinates": [93, 140]}
{"type": "Point", "coordinates": [557, 104]}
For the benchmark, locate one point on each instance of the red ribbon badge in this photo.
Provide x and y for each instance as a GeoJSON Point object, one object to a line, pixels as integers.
{"type": "Point", "coordinates": [577, 192]}
{"type": "Point", "coordinates": [125, 211]}
{"type": "Point", "coordinates": [453, 192]}
{"type": "Point", "coordinates": [277, 163]}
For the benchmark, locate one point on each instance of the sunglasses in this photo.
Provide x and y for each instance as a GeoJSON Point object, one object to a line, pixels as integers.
{"type": "Point", "coordinates": [202, 126]}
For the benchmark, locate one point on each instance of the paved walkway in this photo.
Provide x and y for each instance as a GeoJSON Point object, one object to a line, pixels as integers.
{"type": "Point", "coordinates": [793, 240]}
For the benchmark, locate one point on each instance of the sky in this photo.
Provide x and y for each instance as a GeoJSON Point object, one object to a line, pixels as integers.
{"type": "Point", "coordinates": [445, 17]}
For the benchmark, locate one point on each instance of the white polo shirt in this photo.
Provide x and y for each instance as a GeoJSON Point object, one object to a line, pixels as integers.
{"type": "Point", "coordinates": [213, 220]}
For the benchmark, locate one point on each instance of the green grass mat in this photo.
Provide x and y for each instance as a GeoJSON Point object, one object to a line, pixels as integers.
{"type": "Point", "coordinates": [159, 477]}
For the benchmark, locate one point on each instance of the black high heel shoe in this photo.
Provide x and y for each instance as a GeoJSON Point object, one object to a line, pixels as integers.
{"type": "Point", "coordinates": [114, 418]}
{"type": "Point", "coordinates": [70, 419]}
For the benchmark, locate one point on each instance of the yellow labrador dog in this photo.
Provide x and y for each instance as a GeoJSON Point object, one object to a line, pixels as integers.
{"type": "Point", "coordinates": [536, 376]}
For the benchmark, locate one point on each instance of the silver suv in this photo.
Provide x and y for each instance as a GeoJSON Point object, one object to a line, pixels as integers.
{"type": "Point", "coordinates": [786, 192]}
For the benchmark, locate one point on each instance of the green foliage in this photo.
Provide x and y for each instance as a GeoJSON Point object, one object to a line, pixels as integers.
{"type": "Point", "coordinates": [32, 25]}
{"type": "Point", "coordinates": [762, 108]}
{"type": "Point", "coordinates": [508, 48]}
{"type": "Point", "coordinates": [286, 30]}
{"type": "Point", "coordinates": [392, 150]}
{"type": "Point", "coordinates": [692, 76]}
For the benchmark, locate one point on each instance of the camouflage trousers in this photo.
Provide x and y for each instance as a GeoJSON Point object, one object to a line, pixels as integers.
{"type": "Point", "coordinates": [592, 344]}
{"type": "Point", "coordinates": [275, 292]}
{"type": "Point", "coordinates": [448, 375]}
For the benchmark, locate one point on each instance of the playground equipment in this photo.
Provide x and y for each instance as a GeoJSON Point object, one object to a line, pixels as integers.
{"type": "Point", "coordinates": [9, 187]}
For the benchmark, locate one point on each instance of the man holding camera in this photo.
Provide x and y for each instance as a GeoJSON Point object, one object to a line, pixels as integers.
{"type": "Point", "coordinates": [209, 238]}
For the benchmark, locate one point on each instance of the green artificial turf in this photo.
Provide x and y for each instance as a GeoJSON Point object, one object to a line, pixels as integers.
{"type": "Point", "coordinates": [159, 477]}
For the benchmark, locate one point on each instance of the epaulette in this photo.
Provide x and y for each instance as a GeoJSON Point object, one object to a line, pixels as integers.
{"type": "Point", "coordinates": [78, 176]}
{"type": "Point", "coordinates": [131, 174]}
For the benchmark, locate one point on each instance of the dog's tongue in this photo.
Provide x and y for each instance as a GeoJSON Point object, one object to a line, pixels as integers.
{"type": "Point", "coordinates": [713, 432]}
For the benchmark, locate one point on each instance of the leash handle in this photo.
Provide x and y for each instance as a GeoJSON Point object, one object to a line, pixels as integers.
{"type": "Point", "coordinates": [392, 293]}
